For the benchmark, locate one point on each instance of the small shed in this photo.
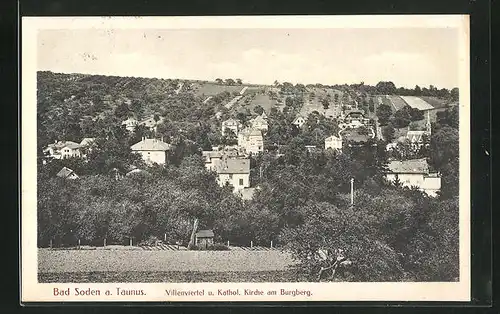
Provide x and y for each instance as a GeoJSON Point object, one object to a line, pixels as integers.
{"type": "Point", "coordinates": [204, 238]}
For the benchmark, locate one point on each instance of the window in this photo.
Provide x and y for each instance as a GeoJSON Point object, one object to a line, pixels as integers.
{"type": "Point", "coordinates": [241, 181]}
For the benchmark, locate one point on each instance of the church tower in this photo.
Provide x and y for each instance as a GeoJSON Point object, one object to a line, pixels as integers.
{"type": "Point", "coordinates": [428, 123]}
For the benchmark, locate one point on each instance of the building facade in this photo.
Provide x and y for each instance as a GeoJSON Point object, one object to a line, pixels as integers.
{"type": "Point", "coordinates": [259, 123]}
{"type": "Point", "coordinates": [213, 157]}
{"type": "Point", "coordinates": [230, 124]}
{"type": "Point", "coordinates": [130, 124]}
{"type": "Point", "coordinates": [353, 119]}
{"type": "Point", "coordinates": [299, 121]}
{"type": "Point", "coordinates": [152, 150]}
{"type": "Point", "coordinates": [414, 173]}
{"type": "Point", "coordinates": [233, 171]}
{"type": "Point", "coordinates": [333, 142]}
{"type": "Point", "coordinates": [63, 150]}
{"type": "Point", "coordinates": [251, 141]}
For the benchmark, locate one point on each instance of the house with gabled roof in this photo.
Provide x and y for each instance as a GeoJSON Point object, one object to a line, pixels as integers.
{"type": "Point", "coordinates": [87, 141]}
{"type": "Point", "coordinates": [299, 121]}
{"type": "Point", "coordinates": [152, 150]}
{"type": "Point", "coordinates": [414, 173]}
{"type": "Point", "coordinates": [62, 150]}
{"type": "Point", "coordinates": [231, 124]}
{"type": "Point", "coordinates": [353, 119]}
{"type": "Point", "coordinates": [204, 238]}
{"type": "Point", "coordinates": [333, 142]}
{"type": "Point", "coordinates": [151, 123]}
{"type": "Point", "coordinates": [251, 141]}
{"type": "Point", "coordinates": [233, 171]}
{"type": "Point", "coordinates": [130, 124]}
{"type": "Point", "coordinates": [259, 123]}
{"type": "Point", "coordinates": [212, 157]}
{"type": "Point", "coordinates": [67, 173]}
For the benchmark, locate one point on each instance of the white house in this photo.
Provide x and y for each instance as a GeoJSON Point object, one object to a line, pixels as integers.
{"type": "Point", "coordinates": [231, 124]}
{"type": "Point", "coordinates": [152, 150]}
{"type": "Point", "coordinates": [333, 142]}
{"type": "Point", "coordinates": [259, 123]}
{"type": "Point", "coordinates": [130, 124]}
{"type": "Point", "coordinates": [416, 138]}
{"type": "Point", "coordinates": [414, 173]}
{"type": "Point", "coordinates": [299, 121]}
{"type": "Point", "coordinates": [234, 171]}
{"type": "Point", "coordinates": [353, 119]}
{"type": "Point", "coordinates": [251, 141]}
{"type": "Point", "coordinates": [63, 149]}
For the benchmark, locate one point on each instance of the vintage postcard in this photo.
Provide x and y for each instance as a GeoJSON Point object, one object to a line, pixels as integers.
{"type": "Point", "coordinates": [276, 158]}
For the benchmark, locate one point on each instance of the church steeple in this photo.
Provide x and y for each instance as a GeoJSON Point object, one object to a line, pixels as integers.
{"type": "Point", "coordinates": [428, 123]}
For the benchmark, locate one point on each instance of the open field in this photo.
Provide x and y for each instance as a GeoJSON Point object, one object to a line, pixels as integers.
{"type": "Point", "coordinates": [435, 102]}
{"type": "Point", "coordinates": [88, 261]}
{"type": "Point", "coordinates": [263, 100]}
{"type": "Point", "coordinates": [211, 89]}
{"type": "Point", "coordinates": [251, 99]}
{"type": "Point", "coordinates": [417, 102]}
{"type": "Point", "coordinates": [314, 103]}
{"type": "Point", "coordinates": [397, 102]}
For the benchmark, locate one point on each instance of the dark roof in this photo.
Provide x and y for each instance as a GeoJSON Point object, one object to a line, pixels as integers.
{"type": "Point", "coordinates": [151, 145]}
{"type": "Point", "coordinates": [354, 112]}
{"type": "Point", "coordinates": [62, 144]}
{"type": "Point", "coordinates": [409, 166]}
{"type": "Point", "coordinates": [66, 173]}
{"type": "Point", "coordinates": [209, 154]}
{"type": "Point", "coordinates": [233, 165]}
{"type": "Point", "coordinates": [354, 136]}
{"type": "Point", "coordinates": [205, 234]}
{"type": "Point", "coordinates": [87, 141]}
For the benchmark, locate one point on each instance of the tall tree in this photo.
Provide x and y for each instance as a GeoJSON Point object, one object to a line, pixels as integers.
{"type": "Point", "coordinates": [384, 112]}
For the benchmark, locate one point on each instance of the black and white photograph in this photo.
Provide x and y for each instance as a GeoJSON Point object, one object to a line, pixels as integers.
{"type": "Point", "coordinates": [300, 153]}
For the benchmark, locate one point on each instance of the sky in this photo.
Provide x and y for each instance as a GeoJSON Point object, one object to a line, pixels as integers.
{"type": "Point", "coordinates": [405, 56]}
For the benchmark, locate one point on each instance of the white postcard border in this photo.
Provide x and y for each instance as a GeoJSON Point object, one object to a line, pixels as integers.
{"type": "Point", "coordinates": [32, 291]}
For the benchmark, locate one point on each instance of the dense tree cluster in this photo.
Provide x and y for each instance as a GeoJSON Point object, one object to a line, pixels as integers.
{"type": "Point", "coordinates": [389, 88]}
